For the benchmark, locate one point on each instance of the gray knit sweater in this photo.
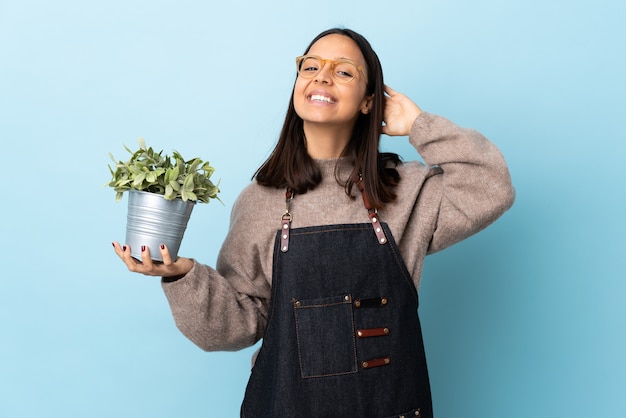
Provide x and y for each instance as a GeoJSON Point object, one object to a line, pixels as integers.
{"type": "Point", "coordinates": [226, 308]}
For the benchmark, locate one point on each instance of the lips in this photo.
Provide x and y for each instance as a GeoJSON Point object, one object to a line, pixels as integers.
{"type": "Point", "coordinates": [321, 97]}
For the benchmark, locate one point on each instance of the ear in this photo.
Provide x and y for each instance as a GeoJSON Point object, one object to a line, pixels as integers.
{"type": "Point", "coordinates": [366, 104]}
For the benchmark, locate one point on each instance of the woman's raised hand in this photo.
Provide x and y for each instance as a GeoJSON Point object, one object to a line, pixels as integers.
{"type": "Point", "coordinates": [400, 113]}
{"type": "Point", "coordinates": [167, 268]}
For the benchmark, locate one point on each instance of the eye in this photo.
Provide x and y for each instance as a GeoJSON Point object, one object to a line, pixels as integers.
{"type": "Point", "coordinates": [343, 73]}
{"type": "Point", "coordinates": [345, 70]}
{"type": "Point", "coordinates": [310, 65]}
{"type": "Point", "coordinates": [309, 68]}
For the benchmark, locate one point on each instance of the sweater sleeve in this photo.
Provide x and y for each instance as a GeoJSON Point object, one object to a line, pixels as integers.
{"type": "Point", "coordinates": [475, 187]}
{"type": "Point", "coordinates": [225, 308]}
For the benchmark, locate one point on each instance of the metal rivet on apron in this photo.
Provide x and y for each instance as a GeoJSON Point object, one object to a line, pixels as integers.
{"type": "Point", "coordinates": [383, 240]}
{"type": "Point", "coordinates": [377, 362]}
{"type": "Point", "coordinates": [297, 303]}
{"type": "Point", "coordinates": [371, 302]}
{"type": "Point", "coordinates": [347, 298]}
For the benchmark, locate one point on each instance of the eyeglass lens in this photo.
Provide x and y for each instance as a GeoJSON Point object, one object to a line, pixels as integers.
{"type": "Point", "coordinates": [342, 71]}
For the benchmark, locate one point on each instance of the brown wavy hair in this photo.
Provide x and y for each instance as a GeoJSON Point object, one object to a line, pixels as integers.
{"type": "Point", "coordinates": [290, 166]}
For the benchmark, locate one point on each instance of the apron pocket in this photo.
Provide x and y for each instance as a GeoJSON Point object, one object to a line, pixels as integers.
{"type": "Point", "coordinates": [325, 336]}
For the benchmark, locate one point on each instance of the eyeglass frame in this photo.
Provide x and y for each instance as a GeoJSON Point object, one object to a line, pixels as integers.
{"type": "Point", "coordinates": [359, 68]}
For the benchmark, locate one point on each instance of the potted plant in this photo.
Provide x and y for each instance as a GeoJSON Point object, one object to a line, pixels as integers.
{"type": "Point", "coordinates": [162, 190]}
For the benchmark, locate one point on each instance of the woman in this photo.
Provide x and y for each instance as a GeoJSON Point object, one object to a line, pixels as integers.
{"type": "Point", "coordinates": [325, 249]}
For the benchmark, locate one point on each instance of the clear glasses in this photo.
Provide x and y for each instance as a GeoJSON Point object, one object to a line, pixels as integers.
{"type": "Point", "coordinates": [342, 70]}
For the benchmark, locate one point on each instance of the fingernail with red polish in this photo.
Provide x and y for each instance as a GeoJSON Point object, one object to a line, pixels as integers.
{"type": "Point", "coordinates": [162, 246]}
{"type": "Point", "coordinates": [113, 244]}
{"type": "Point", "coordinates": [124, 248]}
{"type": "Point", "coordinates": [143, 248]}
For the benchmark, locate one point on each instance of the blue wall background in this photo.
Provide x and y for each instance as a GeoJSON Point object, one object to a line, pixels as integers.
{"type": "Point", "coordinates": [526, 318]}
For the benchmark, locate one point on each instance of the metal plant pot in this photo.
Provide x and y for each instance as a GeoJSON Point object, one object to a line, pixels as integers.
{"type": "Point", "coordinates": [153, 220]}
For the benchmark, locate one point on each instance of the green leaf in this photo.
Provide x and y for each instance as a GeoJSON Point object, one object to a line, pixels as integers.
{"type": "Point", "coordinates": [188, 183]}
{"type": "Point", "coordinates": [206, 167]}
{"type": "Point", "coordinates": [174, 185]}
{"type": "Point", "coordinates": [156, 172]}
{"type": "Point", "coordinates": [188, 195]}
{"type": "Point", "coordinates": [139, 179]}
{"type": "Point", "coordinates": [194, 165]}
{"type": "Point", "coordinates": [170, 193]}
{"type": "Point", "coordinates": [175, 173]}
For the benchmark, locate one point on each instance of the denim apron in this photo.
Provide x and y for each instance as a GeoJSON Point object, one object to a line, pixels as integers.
{"type": "Point", "coordinates": [343, 337]}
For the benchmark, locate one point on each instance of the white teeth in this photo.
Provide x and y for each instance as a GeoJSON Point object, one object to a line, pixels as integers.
{"type": "Point", "coordinates": [320, 98]}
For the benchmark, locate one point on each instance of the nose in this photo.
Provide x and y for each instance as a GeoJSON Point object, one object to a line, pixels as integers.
{"type": "Point", "coordinates": [324, 75]}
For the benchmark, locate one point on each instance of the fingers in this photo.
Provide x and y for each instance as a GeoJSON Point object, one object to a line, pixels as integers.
{"type": "Point", "coordinates": [117, 248]}
{"type": "Point", "coordinates": [165, 255]}
{"type": "Point", "coordinates": [145, 265]}
{"type": "Point", "coordinates": [123, 252]}
{"type": "Point", "coordinates": [148, 267]}
{"type": "Point", "coordinates": [146, 260]}
{"type": "Point", "coordinates": [390, 91]}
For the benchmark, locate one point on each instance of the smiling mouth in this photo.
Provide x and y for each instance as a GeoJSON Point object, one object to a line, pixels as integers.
{"type": "Point", "coordinates": [320, 98]}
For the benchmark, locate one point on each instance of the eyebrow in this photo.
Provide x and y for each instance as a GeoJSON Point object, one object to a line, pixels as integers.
{"type": "Point", "coordinates": [334, 59]}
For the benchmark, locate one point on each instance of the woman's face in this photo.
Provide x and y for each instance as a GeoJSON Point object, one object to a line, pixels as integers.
{"type": "Point", "coordinates": [322, 99]}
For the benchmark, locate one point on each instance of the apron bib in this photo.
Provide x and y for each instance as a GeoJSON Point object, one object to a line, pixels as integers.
{"type": "Point", "coordinates": [343, 337]}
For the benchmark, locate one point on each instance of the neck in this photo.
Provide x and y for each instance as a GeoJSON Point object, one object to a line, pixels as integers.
{"type": "Point", "coordinates": [324, 142]}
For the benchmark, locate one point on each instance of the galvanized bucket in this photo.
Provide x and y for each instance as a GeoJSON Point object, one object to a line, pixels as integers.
{"type": "Point", "coordinates": [153, 220]}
